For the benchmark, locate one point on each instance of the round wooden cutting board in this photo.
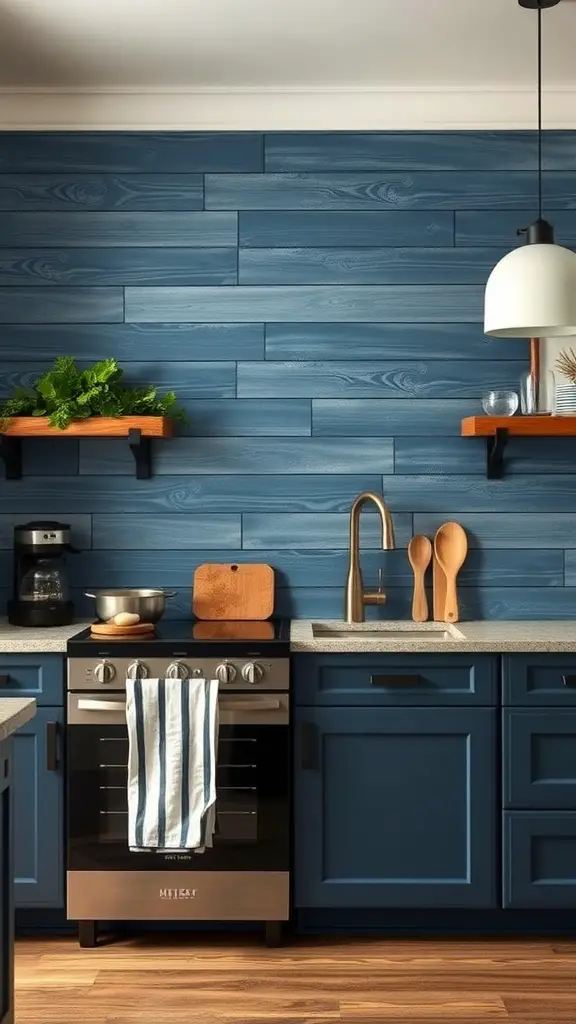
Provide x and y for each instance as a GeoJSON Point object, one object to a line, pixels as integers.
{"type": "Point", "coordinates": [109, 629]}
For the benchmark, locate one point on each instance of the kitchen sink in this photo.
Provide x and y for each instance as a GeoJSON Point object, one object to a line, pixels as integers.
{"type": "Point", "coordinates": [382, 631]}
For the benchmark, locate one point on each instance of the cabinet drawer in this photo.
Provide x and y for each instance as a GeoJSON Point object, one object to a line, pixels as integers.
{"type": "Point", "coordinates": [539, 764]}
{"type": "Point", "coordinates": [395, 679]}
{"type": "Point", "coordinates": [30, 675]}
{"type": "Point", "coordinates": [540, 680]}
{"type": "Point", "coordinates": [539, 859]}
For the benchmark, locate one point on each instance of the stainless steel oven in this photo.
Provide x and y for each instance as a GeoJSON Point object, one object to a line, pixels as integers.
{"type": "Point", "coordinates": [245, 875]}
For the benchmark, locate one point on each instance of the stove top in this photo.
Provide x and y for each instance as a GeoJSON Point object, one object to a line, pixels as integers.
{"type": "Point", "coordinates": [189, 637]}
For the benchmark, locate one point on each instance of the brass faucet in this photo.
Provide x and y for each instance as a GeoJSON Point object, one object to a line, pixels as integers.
{"type": "Point", "coordinates": [356, 596]}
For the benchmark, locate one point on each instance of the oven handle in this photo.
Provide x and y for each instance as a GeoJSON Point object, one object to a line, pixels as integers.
{"type": "Point", "coordinates": [102, 705]}
{"type": "Point", "coordinates": [223, 705]}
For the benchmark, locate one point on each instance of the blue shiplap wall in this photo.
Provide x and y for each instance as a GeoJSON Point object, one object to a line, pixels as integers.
{"type": "Point", "coordinates": [316, 301]}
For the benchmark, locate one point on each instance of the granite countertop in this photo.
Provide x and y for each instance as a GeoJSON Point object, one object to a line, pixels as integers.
{"type": "Point", "coordinates": [20, 640]}
{"type": "Point", "coordinates": [468, 637]}
{"type": "Point", "coordinates": [14, 712]}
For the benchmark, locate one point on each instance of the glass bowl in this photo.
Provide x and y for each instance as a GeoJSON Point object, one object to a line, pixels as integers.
{"type": "Point", "coordinates": [500, 403]}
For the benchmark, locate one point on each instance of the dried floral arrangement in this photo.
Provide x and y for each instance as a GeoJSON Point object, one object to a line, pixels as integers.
{"type": "Point", "coordinates": [566, 364]}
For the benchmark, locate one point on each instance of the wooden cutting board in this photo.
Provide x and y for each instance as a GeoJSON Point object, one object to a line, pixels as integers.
{"type": "Point", "coordinates": [110, 629]}
{"type": "Point", "coordinates": [230, 591]}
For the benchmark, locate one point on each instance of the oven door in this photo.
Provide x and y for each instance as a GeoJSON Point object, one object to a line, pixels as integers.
{"type": "Point", "coordinates": [252, 808]}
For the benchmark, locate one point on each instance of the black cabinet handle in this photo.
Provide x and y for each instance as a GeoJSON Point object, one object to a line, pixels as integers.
{"type": "Point", "coordinates": [51, 746]}
{"type": "Point", "coordinates": [309, 755]}
{"type": "Point", "coordinates": [4, 680]}
{"type": "Point", "coordinates": [395, 680]}
{"type": "Point", "coordinates": [569, 680]}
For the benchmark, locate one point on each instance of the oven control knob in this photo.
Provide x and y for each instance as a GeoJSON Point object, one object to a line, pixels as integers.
{"type": "Point", "coordinates": [104, 672]}
{"type": "Point", "coordinates": [225, 673]}
{"type": "Point", "coordinates": [137, 670]}
{"type": "Point", "coordinates": [252, 672]}
{"type": "Point", "coordinates": [177, 670]}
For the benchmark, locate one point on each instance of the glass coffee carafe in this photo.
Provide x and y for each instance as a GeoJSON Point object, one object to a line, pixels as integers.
{"type": "Point", "coordinates": [44, 581]}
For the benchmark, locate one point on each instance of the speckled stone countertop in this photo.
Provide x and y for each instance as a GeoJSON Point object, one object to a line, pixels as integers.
{"type": "Point", "coordinates": [17, 640]}
{"type": "Point", "coordinates": [466, 637]}
{"type": "Point", "coordinates": [14, 712]}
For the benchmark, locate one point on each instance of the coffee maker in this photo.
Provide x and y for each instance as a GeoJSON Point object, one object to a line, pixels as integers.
{"type": "Point", "coordinates": [40, 596]}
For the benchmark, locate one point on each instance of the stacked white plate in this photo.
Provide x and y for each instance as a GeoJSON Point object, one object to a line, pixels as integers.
{"type": "Point", "coordinates": [565, 400]}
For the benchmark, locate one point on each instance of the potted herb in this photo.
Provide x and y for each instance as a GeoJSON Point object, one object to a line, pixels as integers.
{"type": "Point", "coordinates": [95, 400]}
{"type": "Point", "coordinates": [565, 399]}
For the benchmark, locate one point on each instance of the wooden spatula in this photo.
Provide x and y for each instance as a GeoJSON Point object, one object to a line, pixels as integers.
{"type": "Point", "coordinates": [419, 553]}
{"type": "Point", "coordinates": [451, 548]}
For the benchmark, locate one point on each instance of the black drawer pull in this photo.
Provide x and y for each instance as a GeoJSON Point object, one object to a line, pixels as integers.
{"type": "Point", "coordinates": [4, 680]}
{"type": "Point", "coordinates": [309, 755]}
{"type": "Point", "coordinates": [569, 680]}
{"type": "Point", "coordinates": [51, 746]}
{"type": "Point", "coordinates": [395, 680]}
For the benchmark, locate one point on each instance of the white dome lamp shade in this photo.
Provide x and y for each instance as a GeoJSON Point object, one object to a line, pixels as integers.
{"type": "Point", "coordinates": [531, 292]}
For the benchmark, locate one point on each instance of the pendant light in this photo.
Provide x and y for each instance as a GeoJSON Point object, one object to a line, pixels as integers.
{"type": "Point", "coordinates": [532, 291]}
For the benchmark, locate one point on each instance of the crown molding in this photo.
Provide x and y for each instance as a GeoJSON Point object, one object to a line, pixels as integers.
{"type": "Point", "coordinates": [294, 109]}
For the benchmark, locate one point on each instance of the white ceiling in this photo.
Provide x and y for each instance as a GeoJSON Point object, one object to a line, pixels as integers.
{"type": "Point", "coordinates": [281, 43]}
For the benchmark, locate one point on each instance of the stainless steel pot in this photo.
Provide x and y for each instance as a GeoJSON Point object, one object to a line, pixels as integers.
{"type": "Point", "coordinates": [148, 604]}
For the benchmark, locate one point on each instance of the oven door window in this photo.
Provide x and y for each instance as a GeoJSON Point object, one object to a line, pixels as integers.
{"type": "Point", "coordinates": [252, 809]}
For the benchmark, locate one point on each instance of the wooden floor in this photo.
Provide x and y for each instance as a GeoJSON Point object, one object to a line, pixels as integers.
{"type": "Point", "coordinates": [222, 980]}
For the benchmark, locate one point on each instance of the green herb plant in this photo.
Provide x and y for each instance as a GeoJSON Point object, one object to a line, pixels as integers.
{"type": "Point", "coordinates": [65, 393]}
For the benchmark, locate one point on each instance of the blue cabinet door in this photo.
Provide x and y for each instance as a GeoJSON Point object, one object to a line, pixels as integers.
{"type": "Point", "coordinates": [39, 811]}
{"type": "Point", "coordinates": [540, 859]}
{"type": "Point", "coordinates": [421, 680]}
{"type": "Point", "coordinates": [539, 758]}
{"type": "Point", "coordinates": [33, 675]}
{"type": "Point", "coordinates": [539, 680]}
{"type": "Point", "coordinates": [395, 807]}
{"type": "Point", "coordinates": [6, 901]}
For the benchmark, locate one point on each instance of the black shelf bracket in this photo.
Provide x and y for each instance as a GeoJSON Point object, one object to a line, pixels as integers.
{"type": "Point", "coordinates": [11, 454]}
{"type": "Point", "coordinates": [141, 448]}
{"type": "Point", "coordinates": [495, 447]}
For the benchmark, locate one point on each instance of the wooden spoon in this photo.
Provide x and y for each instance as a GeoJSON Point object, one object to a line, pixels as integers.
{"type": "Point", "coordinates": [419, 553]}
{"type": "Point", "coordinates": [451, 548]}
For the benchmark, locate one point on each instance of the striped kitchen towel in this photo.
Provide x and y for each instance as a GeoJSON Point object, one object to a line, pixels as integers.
{"type": "Point", "coordinates": [172, 750]}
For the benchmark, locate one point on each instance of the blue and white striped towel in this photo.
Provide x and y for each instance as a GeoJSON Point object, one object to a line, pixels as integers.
{"type": "Point", "coordinates": [172, 750]}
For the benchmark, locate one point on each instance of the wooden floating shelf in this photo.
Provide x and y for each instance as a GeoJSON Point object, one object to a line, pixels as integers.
{"type": "Point", "coordinates": [498, 429]}
{"type": "Point", "coordinates": [138, 430]}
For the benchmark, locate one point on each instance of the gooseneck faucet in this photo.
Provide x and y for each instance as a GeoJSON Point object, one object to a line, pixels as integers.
{"type": "Point", "coordinates": [356, 596]}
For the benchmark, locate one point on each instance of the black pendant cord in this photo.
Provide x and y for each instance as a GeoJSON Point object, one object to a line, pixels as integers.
{"type": "Point", "coordinates": [539, 113]}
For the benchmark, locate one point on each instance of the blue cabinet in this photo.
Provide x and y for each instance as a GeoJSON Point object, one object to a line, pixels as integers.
{"type": "Point", "coordinates": [539, 758]}
{"type": "Point", "coordinates": [539, 859]}
{"type": "Point", "coordinates": [6, 901]}
{"type": "Point", "coordinates": [39, 810]}
{"type": "Point", "coordinates": [33, 675]}
{"type": "Point", "coordinates": [539, 680]}
{"type": "Point", "coordinates": [398, 680]}
{"type": "Point", "coordinates": [395, 807]}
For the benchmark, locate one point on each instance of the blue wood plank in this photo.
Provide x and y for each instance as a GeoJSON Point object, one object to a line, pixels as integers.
{"type": "Point", "coordinates": [317, 531]}
{"type": "Point", "coordinates": [514, 568]}
{"type": "Point", "coordinates": [529, 530]}
{"type": "Point", "coordinates": [475, 227]}
{"type": "Point", "coordinates": [559, 150]}
{"type": "Point", "coordinates": [467, 455]}
{"type": "Point", "coordinates": [61, 305]}
{"type": "Point", "coordinates": [117, 229]}
{"type": "Point", "coordinates": [159, 568]}
{"type": "Point", "coordinates": [81, 526]}
{"type": "Point", "coordinates": [302, 227]}
{"type": "Point", "coordinates": [321, 493]}
{"type": "Point", "coordinates": [570, 568]}
{"type": "Point", "coordinates": [406, 303]}
{"type": "Point", "coordinates": [387, 417]}
{"type": "Point", "coordinates": [43, 455]}
{"type": "Point", "coordinates": [71, 192]}
{"type": "Point", "coordinates": [387, 341]}
{"type": "Point", "coordinates": [369, 380]}
{"type": "Point", "coordinates": [455, 494]}
{"type": "Point", "coordinates": [189, 380]}
{"type": "Point", "coordinates": [328, 603]}
{"type": "Point", "coordinates": [418, 190]}
{"type": "Point", "coordinates": [148, 267]}
{"type": "Point", "coordinates": [558, 190]}
{"type": "Point", "coordinates": [167, 532]}
{"type": "Point", "coordinates": [133, 342]}
{"type": "Point", "coordinates": [248, 417]}
{"type": "Point", "coordinates": [442, 151]}
{"type": "Point", "coordinates": [517, 603]}
{"type": "Point", "coordinates": [367, 265]}
{"type": "Point", "coordinates": [24, 152]}
{"type": "Point", "coordinates": [243, 456]}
